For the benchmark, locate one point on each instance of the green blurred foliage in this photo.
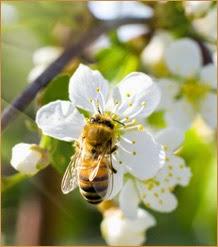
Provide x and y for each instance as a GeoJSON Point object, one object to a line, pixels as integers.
{"type": "Point", "coordinates": [73, 221]}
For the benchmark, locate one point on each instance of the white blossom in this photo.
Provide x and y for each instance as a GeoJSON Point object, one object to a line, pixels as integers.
{"type": "Point", "coordinates": [207, 25]}
{"type": "Point", "coordinates": [42, 58]}
{"type": "Point", "coordinates": [196, 8]}
{"type": "Point", "coordinates": [109, 10]}
{"type": "Point", "coordinates": [193, 89]}
{"type": "Point", "coordinates": [134, 98]}
{"type": "Point", "coordinates": [152, 55]}
{"type": "Point", "coordinates": [28, 158]}
{"type": "Point", "coordinates": [119, 230]}
{"type": "Point", "coordinates": [156, 193]}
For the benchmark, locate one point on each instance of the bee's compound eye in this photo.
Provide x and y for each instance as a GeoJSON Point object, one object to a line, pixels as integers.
{"type": "Point", "coordinates": [93, 151]}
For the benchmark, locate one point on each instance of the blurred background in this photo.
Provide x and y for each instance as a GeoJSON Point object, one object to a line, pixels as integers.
{"type": "Point", "coordinates": [34, 211]}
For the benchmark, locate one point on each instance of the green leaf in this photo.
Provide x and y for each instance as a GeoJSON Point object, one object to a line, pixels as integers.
{"type": "Point", "coordinates": [116, 62]}
{"type": "Point", "coordinates": [56, 90]}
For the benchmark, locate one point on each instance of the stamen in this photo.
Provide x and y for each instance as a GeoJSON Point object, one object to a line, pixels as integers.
{"type": "Point", "coordinates": [143, 104]}
{"type": "Point", "coordinates": [127, 140]}
{"type": "Point", "coordinates": [102, 100]}
{"type": "Point", "coordinates": [124, 149]}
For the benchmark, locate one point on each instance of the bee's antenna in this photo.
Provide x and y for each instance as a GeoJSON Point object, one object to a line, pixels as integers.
{"type": "Point", "coordinates": [99, 111]}
{"type": "Point", "coordinates": [118, 122]}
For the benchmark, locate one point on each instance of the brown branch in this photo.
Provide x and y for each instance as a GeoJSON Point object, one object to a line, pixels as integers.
{"type": "Point", "coordinates": [25, 98]}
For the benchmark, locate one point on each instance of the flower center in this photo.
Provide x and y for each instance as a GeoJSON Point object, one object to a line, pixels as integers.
{"type": "Point", "coordinates": [194, 91]}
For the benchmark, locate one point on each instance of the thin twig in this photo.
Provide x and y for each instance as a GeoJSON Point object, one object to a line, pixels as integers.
{"type": "Point", "coordinates": [25, 98]}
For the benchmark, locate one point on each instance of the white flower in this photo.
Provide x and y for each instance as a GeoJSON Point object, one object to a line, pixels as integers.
{"type": "Point", "coordinates": [28, 158]}
{"type": "Point", "coordinates": [134, 98]}
{"type": "Point", "coordinates": [152, 55]}
{"type": "Point", "coordinates": [131, 31]}
{"type": "Point", "coordinates": [101, 43]}
{"type": "Point", "coordinates": [156, 193]}
{"type": "Point", "coordinates": [109, 10]}
{"type": "Point", "coordinates": [194, 90]}
{"type": "Point", "coordinates": [42, 58]}
{"type": "Point", "coordinates": [207, 25]}
{"type": "Point", "coordinates": [196, 8]}
{"type": "Point", "coordinates": [119, 230]}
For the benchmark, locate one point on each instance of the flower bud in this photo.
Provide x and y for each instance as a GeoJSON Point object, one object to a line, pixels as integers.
{"type": "Point", "coordinates": [119, 230]}
{"type": "Point", "coordinates": [28, 158]}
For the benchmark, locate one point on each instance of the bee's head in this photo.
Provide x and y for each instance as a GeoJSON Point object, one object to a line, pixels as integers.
{"type": "Point", "coordinates": [99, 119]}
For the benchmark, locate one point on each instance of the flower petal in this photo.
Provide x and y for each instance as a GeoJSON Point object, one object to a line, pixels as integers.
{"type": "Point", "coordinates": [183, 57]}
{"type": "Point", "coordinates": [61, 120]}
{"type": "Point", "coordinates": [169, 90]}
{"type": "Point", "coordinates": [36, 71]}
{"type": "Point", "coordinates": [88, 87]}
{"type": "Point", "coordinates": [46, 55]}
{"type": "Point", "coordinates": [141, 154]}
{"type": "Point", "coordinates": [174, 172]}
{"type": "Point", "coordinates": [171, 138]}
{"type": "Point", "coordinates": [208, 75]}
{"type": "Point", "coordinates": [180, 115]}
{"type": "Point", "coordinates": [140, 95]}
{"type": "Point", "coordinates": [129, 200]}
{"type": "Point", "coordinates": [156, 199]}
{"type": "Point", "coordinates": [25, 159]}
{"type": "Point", "coordinates": [131, 31]}
{"type": "Point", "coordinates": [116, 183]}
{"type": "Point", "coordinates": [109, 10]}
{"type": "Point", "coordinates": [209, 110]}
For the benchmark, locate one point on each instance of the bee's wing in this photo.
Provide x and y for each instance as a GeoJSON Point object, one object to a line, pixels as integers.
{"type": "Point", "coordinates": [95, 170]}
{"type": "Point", "coordinates": [70, 178]}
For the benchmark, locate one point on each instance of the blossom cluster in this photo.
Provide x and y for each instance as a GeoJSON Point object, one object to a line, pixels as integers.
{"type": "Point", "coordinates": [177, 83]}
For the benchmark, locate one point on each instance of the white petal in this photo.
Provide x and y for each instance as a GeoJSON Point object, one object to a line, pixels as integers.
{"type": "Point", "coordinates": [143, 157]}
{"type": "Point", "coordinates": [207, 25]}
{"type": "Point", "coordinates": [131, 31]}
{"type": "Point", "coordinates": [174, 172]}
{"type": "Point", "coordinates": [88, 85]}
{"type": "Point", "coordinates": [101, 43]}
{"type": "Point", "coordinates": [180, 115]}
{"type": "Point", "coordinates": [169, 90]}
{"type": "Point", "coordinates": [109, 10]}
{"type": "Point", "coordinates": [61, 120]}
{"type": "Point", "coordinates": [46, 55]}
{"type": "Point", "coordinates": [183, 57]}
{"type": "Point", "coordinates": [129, 200]}
{"type": "Point", "coordinates": [25, 159]}
{"type": "Point", "coordinates": [36, 71]}
{"type": "Point", "coordinates": [209, 110]}
{"type": "Point", "coordinates": [116, 183]}
{"type": "Point", "coordinates": [114, 100]}
{"type": "Point", "coordinates": [153, 52]}
{"type": "Point", "coordinates": [157, 200]}
{"type": "Point", "coordinates": [140, 95]}
{"type": "Point", "coordinates": [196, 8]}
{"type": "Point", "coordinates": [208, 75]}
{"type": "Point", "coordinates": [119, 230]}
{"type": "Point", "coordinates": [171, 138]}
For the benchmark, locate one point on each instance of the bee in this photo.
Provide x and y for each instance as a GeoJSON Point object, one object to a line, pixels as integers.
{"type": "Point", "coordinates": [91, 167]}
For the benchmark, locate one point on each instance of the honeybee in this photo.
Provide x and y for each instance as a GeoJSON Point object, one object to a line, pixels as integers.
{"type": "Point", "coordinates": [91, 167]}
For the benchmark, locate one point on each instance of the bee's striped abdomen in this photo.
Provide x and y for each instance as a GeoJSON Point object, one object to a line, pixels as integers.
{"type": "Point", "coordinates": [94, 191]}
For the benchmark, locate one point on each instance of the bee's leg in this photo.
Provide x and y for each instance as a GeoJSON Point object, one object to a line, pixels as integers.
{"type": "Point", "coordinates": [113, 149]}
